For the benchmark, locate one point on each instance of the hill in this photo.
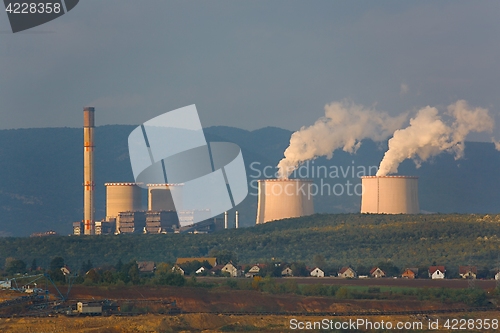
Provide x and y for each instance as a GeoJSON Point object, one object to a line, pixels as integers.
{"type": "Point", "coordinates": [341, 239]}
{"type": "Point", "coordinates": [41, 178]}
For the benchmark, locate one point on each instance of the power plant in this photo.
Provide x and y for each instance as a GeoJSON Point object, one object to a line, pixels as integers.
{"type": "Point", "coordinates": [122, 197]}
{"type": "Point", "coordinates": [390, 195]}
{"type": "Point", "coordinates": [124, 212]}
{"type": "Point", "coordinates": [161, 196]}
{"type": "Point", "coordinates": [283, 198]}
{"type": "Point", "coordinates": [88, 171]}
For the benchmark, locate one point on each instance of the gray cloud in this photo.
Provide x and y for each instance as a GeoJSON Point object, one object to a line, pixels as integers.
{"type": "Point", "coordinates": [247, 64]}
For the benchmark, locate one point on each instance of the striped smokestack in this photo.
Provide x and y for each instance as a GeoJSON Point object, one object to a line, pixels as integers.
{"type": "Point", "coordinates": [88, 171]}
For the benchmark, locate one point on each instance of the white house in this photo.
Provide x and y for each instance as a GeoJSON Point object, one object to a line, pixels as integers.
{"type": "Point", "coordinates": [200, 270]}
{"type": "Point", "coordinates": [376, 272]}
{"type": "Point", "coordinates": [497, 276]}
{"type": "Point", "coordinates": [7, 284]}
{"type": "Point", "coordinates": [467, 272]}
{"type": "Point", "coordinates": [254, 270]}
{"type": "Point", "coordinates": [287, 272]}
{"type": "Point", "coordinates": [178, 269]}
{"type": "Point", "coordinates": [437, 272]}
{"type": "Point", "coordinates": [347, 273]}
{"type": "Point", "coordinates": [229, 268]}
{"type": "Point", "coordinates": [317, 272]}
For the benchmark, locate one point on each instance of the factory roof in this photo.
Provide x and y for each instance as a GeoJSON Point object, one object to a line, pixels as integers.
{"type": "Point", "coordinates": [121, 184]}
{"type": "Point", "coordinates": [159, 185]}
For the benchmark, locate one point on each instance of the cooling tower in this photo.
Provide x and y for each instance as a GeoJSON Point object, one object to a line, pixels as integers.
{"type": "Point", "coordinates": [160, 196]}
{"type": "Point", "coordinates": [88, 171]}
{"type": "Point", "coordinates": [122, 197]}
{"type": "Point", "coordinates": [390, 195]}
{"type": "Point", "coordinates": [283, 198]}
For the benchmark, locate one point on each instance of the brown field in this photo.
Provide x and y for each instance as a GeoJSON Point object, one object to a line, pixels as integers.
{"type": "Point", "coordinates": [206, 323]}
{"type": "Point", "coordinates": [383, 282]}
{"type": "Point", "coordinates": [226, 300]}
{"type": "Point", "coordinates": [196, 303]}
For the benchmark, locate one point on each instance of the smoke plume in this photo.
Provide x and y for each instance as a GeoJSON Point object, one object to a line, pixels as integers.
{"type": "Point", "coordinates": [428, 135]}
{"type": "Point", "coordinates": [344, 125]}
{"type": "Point", "coordinates": [496, 143]}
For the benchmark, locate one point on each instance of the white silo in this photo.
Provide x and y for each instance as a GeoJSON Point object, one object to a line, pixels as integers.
{"type": "Point", "coordinates": [122, 197]}
{"type": "Point", "coordinates": [390, 195]}
{"type": "Point", "coordinates": [161, 197]}
{"type": "Point", "coordinates": [283, 198]}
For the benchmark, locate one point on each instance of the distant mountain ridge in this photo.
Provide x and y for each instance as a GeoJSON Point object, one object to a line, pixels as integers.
{"type": "Point", "coordinates": [42, 172]}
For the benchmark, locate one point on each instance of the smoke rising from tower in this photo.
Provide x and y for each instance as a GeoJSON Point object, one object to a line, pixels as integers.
{"type": "Point", "coordinates": [428, 135]}
{"type": "Point", "coordinates": [344, 125]}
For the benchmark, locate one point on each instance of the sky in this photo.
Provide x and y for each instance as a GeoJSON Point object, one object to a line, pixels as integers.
{"type": "Point", "coordinates": [248, 64]}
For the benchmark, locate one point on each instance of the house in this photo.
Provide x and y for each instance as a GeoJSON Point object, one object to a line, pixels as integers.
{"type": "Point", "coordinates": [287, 272]}
{"type": "Point", "coordinates": [146, 266]}
{"type": "Point", "coordinates": [347, 272]}
{"type": "Point", "coordinates": [212, 261]}
{"type": "Point", "coordinates": [254, 270]}
{"type": "Point", "coordinates": [200, 270]}
{"type": "Point", "coordinates": [231, 269]}
{"type": "Point", "coordinates": [497, 276]}
{"type": "Point", "coordinates": [436, 272]}
{"type": "Point", "coordinates": [178, 269]}
{"type": "Point", "coordinates": [376, 272]}
{"type": "Point", "coordinates": [467, 272]}
{"type": "Point", "coordinates": [317, 272]}
{"type": "Point", "coordinates": [216, 269]}
{"type": "Point", "coordinates": [410, 273]}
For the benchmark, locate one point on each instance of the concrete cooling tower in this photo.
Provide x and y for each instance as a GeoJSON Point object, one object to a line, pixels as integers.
{"type": "Point", "coordinates": [390, 195]}
{"type": "Point", "coordinates": [160, 196]}
{"type": "Point", "coordinates": [283, 198]}
{"type": "Point", "coordinates": [122, 197]}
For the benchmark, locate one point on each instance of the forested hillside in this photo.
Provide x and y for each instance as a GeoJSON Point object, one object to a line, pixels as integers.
{"type": "Point", "coordinates": [341, 239]}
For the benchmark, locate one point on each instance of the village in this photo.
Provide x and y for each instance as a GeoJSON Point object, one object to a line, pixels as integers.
{"type": "Point", "coordinates": [209, 266]}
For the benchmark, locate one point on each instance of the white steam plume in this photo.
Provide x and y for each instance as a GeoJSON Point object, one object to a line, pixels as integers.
{"type": "Point", "coordinates": [428, 135]}
{"type": "Point", "coordinates": [344, 125]}
{"type": "Point", "coordinates": [496, 143]}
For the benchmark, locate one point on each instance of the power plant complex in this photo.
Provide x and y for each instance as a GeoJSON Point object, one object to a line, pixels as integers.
{"type": "Point", "coordinates": [277, 199]}
{"type": "Point", "coordinates": [124, 212]}
{"type": "Point", "coordinates": [283, 198]}
{"type": "Point", "coordinates": [390, 195]}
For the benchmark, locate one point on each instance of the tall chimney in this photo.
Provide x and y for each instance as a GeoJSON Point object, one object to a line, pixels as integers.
{"type": "Point", "coordinates": [225, 220]}
{"type": "Point", "coordinates": [237, 220]}
{"type": "Point", "coordinates": [88, 171]}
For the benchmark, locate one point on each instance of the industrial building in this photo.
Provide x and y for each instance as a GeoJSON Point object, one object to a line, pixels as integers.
{"type": "Point", "coordinates": [122, 197]}
{"type": "Point", "coordinates": [124, 212]}
{"type": "Point", "coordinates": [390, 195]}
{"type": "Point", "coordinates": [131, 222]}
{"type": "Point", "coordinates": [105, 227]}
{"type": "Point", "coordinates": [160, 197]}
{"type": "Point", "coordinates": [204, 227]}
{"type": "Point", "coordinates": [283, 198]}
{"type": "Point", "coordinates": [159, 222]}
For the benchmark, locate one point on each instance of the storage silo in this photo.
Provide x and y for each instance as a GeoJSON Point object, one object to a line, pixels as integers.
{"type": "Point", "coordinates": [161, 197]}
{"type": "Point", "coordinates": [122, 197]}
{"type": "Point", "coordinates": [390, 195]}
{"type": "Point", "coordinates": [283, 198]}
